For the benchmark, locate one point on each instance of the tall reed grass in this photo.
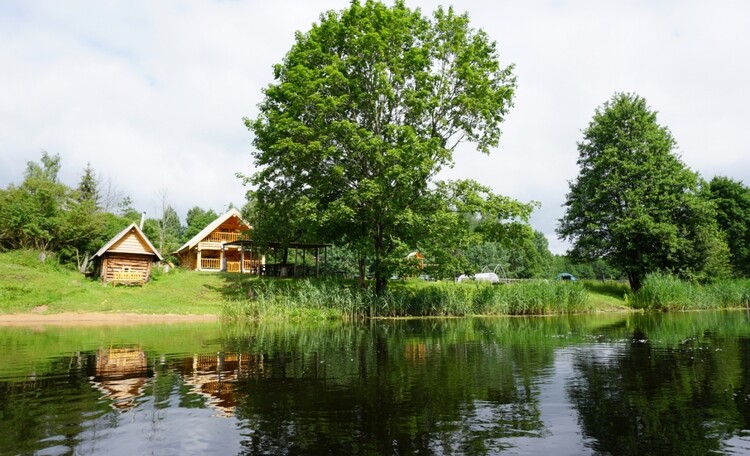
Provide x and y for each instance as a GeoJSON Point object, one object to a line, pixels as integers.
{"type": "Point", "coordinates": [327, 299]}
{"type": "Point", "coordinates": [665, 292]}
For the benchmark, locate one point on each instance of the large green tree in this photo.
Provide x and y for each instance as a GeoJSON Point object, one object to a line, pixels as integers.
{"type": "Point", "coordinates": [32, 213]}
{"type": "Point", "coordinates": [197, 219]}
{"type": "Point", "coordinates": [366, 109]}
{"type": "Point", "coordinates": [732, 201]}
{"type": "Point", "coordinates": [635, 203]}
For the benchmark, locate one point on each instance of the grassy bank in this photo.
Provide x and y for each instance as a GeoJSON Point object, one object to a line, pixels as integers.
{"type": "Point", "coordinates": [26, 285]}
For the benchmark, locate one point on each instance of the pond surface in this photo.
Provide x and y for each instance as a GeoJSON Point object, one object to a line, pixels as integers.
{"type": "Point", "coordinates": [612, 384]}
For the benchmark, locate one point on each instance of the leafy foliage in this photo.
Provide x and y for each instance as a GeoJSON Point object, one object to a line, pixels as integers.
{"type": "Point", "coordinates": [165, 231]}
{"type": "Point", "coordinates": [732, 201]}
{"type": "Point", "coordinates": [46, 215]}
{"type": "Point", "coordinates": [635, 203]}
{"type": "Point", "coordinates": [368, 106]}
{"type": "Point", "coordinates": [196, 220]}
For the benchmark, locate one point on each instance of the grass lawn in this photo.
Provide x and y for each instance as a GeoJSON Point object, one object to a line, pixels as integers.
{"type": "Point", "coordinates": [607, 296]}
{"type": "Point", "coordinates": [26, 285]}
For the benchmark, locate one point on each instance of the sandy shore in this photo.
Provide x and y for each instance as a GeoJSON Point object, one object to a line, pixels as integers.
{"type": "Point", "coordinates": [99, 319]}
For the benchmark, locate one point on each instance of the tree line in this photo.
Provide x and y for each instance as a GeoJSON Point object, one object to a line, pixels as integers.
{"type": "Point", "coordinates": [73, 222]}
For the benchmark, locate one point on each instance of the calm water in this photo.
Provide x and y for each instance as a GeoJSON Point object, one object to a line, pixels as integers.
{"type": "Point", "coordinates": [615, 384]}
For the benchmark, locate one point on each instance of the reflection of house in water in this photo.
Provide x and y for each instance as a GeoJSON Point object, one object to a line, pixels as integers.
{"type": "Point", "coordinates": [215, 376]}
{"type": "Point", "coordinates": [121, 374]}
{"type": "Point", "coordinates": [416, 353]}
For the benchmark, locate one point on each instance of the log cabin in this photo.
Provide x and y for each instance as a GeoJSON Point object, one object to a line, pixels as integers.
{"type": "Point", "coordinates": [126, 258]}
{"type": "Point", "coordinates": [211, 248]}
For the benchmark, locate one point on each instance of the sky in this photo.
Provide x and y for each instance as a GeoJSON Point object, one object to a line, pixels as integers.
{"type": "Point", "coordinates": [153, 93]}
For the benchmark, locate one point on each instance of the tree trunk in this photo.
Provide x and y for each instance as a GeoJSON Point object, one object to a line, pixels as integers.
{"type": "Point", "coordinates": [381, 281]}
{"type": "Point", "coordinates": [635, 280]}
{"type": "Point", "coordinates": [83, 263]}
{"type": "Point", "coordinates": [361, 278]}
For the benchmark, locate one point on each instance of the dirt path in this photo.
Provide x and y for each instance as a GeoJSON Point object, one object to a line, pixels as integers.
{"type": "Point", "coordinates": [99, 319]}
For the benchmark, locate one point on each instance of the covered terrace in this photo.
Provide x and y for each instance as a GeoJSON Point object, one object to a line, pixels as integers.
{"type": "Point", "coordinates": [299, 266]}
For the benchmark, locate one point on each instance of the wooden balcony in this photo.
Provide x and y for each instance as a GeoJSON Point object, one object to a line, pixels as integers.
{"type": "Point", "coordinates": [224, 236]}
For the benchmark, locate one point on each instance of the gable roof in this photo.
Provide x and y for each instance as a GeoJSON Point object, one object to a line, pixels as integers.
{"type": "Point", "coordinates": [121, 235]}
{"type": "Point", "coordinates": [211, 227]}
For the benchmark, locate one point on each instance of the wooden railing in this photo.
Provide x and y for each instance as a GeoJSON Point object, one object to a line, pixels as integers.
{"type": "Point", "coordinates": [127, 277]}
{"type": "Point", "coordinates": [224, 236]}
{"type": "Point", "coordinates": [210, 263]}
{"type": "Point", "coordinates": [249, 266]}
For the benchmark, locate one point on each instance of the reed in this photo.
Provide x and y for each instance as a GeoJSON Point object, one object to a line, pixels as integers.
{"type": "Point", "coordinates": [666, 292]}
{"type": "Point", "coordinates": [327, 299]}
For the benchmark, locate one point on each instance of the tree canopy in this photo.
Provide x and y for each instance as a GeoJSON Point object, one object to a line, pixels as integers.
{"type": "Point", "coordinates": [635, 203]}
{"type": "Point", "coordinates": [366, 109]}
{"type": "Point", "coordinates": [732, 201]}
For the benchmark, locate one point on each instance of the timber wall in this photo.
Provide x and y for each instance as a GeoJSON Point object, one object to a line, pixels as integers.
{"type": "Point", "coordinates": [120, 262]}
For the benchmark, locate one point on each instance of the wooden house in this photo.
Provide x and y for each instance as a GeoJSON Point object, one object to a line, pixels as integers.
{"type": "Point", "coordinates": [416, 258]}
{"type": "Point", "coordinates": [126, 258]}
{"type": "Point", "coordinates": [213, 250]}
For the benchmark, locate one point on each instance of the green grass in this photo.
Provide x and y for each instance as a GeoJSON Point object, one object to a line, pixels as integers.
{"type": "Point", "coordinates": [667, 293]}
{"type": "Point", "coordinates": [26, 285]}
{"type": "Point", "coordinates": [608, 295]}
{"type": "Point", "coordinates": [327, 299]}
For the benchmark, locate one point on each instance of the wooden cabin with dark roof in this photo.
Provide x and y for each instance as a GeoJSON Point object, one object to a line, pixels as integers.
{"type": "Point", "coordinates": [127, 258]}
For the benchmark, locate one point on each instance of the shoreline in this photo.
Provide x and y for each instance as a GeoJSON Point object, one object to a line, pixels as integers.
{"type": "Point", "coordinates": [100, 319]}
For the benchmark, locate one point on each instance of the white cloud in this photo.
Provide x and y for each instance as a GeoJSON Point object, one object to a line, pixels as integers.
{"type": "Point", "coordinates": [153, 93]}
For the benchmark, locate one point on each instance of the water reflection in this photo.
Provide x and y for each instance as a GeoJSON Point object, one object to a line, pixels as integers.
{"type": "Point", "coordinates": [121, 374]}
{"type": "Point", "coordinates": [621, 384]}
{"type": "Point", "coordinates": [665, 392]}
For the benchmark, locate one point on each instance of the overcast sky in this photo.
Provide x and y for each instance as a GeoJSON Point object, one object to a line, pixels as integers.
{"type": "Point", "coordinates": [152, 93]}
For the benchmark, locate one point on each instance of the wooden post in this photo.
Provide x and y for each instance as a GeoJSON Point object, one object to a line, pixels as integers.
{"type": "Point", "coordinates": [317, 262]}
{"type": "Point", "coordinates": [222, 260]}
{"type": "Point", "coordinates": [198, 264]}
{"type": "Point", "coordinates": [242, 258]}
{"type": "Point", "coordinates": [251, 259]}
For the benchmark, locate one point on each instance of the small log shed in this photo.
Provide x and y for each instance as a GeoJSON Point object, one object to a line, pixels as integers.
{"type": "Point", "coordinates": [126, 258]}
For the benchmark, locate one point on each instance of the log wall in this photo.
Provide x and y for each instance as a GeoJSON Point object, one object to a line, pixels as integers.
{"type": "Point", "coordinates": [120, 262]}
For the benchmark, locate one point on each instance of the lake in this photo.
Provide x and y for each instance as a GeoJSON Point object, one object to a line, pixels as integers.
{"type": "Point", "coordinates": [605, 384]}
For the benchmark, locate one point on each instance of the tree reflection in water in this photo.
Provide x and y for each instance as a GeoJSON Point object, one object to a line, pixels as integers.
{"type": "Point", "coordinates": [635, 384]}
{"type": "Point", "coordinates": [665, 392]}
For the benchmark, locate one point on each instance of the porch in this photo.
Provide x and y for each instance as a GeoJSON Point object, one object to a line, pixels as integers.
{"type": "Point", "coordinates": [305, 262]}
